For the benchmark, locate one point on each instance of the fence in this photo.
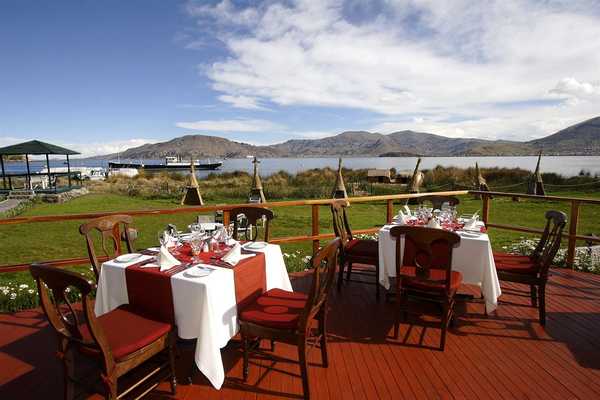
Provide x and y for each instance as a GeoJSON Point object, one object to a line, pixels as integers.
{"type": "Point", "coordinates": [316, 235]}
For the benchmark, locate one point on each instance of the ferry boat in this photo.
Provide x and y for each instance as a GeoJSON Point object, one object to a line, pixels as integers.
{"type": "Point", "coordinates": [171, 164]}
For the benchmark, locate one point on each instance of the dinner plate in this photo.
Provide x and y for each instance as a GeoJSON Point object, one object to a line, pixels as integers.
{"type": "Point", "coordinates": [255, 246]}
{"type": "Point", "coordinates": [470, 234]}
{"type": "Point", "coordinates": [197, 272]}
{"type": "Point", "coordinates": [125, 258]}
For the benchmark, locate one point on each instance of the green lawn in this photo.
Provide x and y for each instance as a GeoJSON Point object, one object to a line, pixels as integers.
{"type": "Point", "coordinates": [26, 243]}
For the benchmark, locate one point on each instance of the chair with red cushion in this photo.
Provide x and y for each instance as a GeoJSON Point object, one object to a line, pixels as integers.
{"type": "Point", "coordinates": [287, 317]}
{"type": "Point", "coordinates": [111, 236]}
{"type": "Point", "coordinates": [116, 342]}
{"type": "Point", "coordinates": [354, 251]}
{"type": "Point", "coordinates": [248, 220]}
{"type": "Point", "coordinates": [535, 272]}
{"type": "Point", "coordinates": [424, 271]}
{"type": "Point", "coordinates": [506, 258]}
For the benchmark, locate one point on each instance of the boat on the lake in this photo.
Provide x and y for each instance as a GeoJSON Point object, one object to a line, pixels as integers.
{"type": "Point", "coordinates": [171, 163]}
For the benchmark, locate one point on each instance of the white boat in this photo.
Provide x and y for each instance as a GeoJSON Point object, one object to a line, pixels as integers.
{"type": "Point", "coordinates": [87, 173]}
{"type": "Point", "coordinates": [170, 164]}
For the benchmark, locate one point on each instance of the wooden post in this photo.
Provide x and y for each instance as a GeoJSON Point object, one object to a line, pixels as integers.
{"type": "Point", "coordinates": [49, 175]}
{"type": "Point", "coordinates": [28, 172]}
{"type": "Point", "coordinates": [3, 172]}
{"type": "Point", "coordinates": [390, 211]}
{"type": "Point", "coordinates": [485, 213]}
{"type": "Point", "coordinates": [572, 233]}
{"type": "Point", "coordinates": [226, 218]}
{"type": "Point", "coordinates": [315, 227]}
{"type": "Point", "coordinates": [69, 170]}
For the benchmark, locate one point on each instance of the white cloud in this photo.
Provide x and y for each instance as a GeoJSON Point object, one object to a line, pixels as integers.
{"type": "Point", "coordinates": [102, 148]}
{"type": "Point", "coordinates": [573, 89]}
{"type": "Point", "coordinates": [232, 125]}
{"type": "Point", "coordinates": [246, 102]}
{"type": "Point", "coordinates": [88, 149]}
{"type": "Point", "coordinates": [462, 57]}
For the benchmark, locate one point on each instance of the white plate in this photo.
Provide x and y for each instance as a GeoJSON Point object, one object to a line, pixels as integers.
{"type": "Point", "coordinates": [470, 234]}
{"type": "Point", "coordinates": [197, 272]}
{"type": "Point", "coordinates": [125, 258]}
{"type": "Point", "coordinates": [255, 246]}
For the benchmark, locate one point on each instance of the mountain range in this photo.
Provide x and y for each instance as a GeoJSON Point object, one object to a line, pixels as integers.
{"type": "Point", "coordinates": [580, 139]}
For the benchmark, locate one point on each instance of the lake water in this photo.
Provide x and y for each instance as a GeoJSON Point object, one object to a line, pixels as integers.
{"type": "Point", "coordinates": [567, 166]}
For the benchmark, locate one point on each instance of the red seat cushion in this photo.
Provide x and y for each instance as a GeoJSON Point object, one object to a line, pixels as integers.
{"type": "Point", "coordinates": [436, 281]}
{"type": "Point", "coordinates": [362, 248]}
{"type": "Point", "coordinates": [127, 331]}
{"type": "Point", "coordinates": [275, 308]}
{"type": "Point", "coordinates": [511, 258]}
{"type": "Point", "coordinates": [517, 267]}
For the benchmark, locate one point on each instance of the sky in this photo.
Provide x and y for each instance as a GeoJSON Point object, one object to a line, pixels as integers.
{"type": "Point", "coordinates": [100, 77]}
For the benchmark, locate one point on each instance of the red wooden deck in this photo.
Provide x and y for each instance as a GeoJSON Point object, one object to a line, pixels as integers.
{"type": "Point", "coordinates": [505, 355]}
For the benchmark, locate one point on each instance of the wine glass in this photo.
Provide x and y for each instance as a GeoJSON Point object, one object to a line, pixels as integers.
{"type": "Point", "coordinates": [163, 238]}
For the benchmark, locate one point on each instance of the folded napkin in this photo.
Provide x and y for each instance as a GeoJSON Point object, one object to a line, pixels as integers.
{"type": "Point", "coordinates": [166, 259]}
{"type": "Point", "coordinates": [471, 223]}
{"type": "Point", "coordinates": [402, 218]}
{"type": "Point", "coordinates": [433, 223]}
{"type": "Point", "coordinates": [234, 255]}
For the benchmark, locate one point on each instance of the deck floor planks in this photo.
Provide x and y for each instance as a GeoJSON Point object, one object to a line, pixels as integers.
{"type": "Point", "coordinates": [505, 355]}
{"type": "Point", "coordinates": [556, 355]}
{"type": "Point", "coordinates": [541, 352]}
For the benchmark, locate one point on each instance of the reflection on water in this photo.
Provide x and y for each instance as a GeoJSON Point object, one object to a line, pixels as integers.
{"type": "Point", "coordinates": [567, 166]}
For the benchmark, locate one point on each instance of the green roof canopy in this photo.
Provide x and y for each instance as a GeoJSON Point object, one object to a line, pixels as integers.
{"type": "Point", "coordinates": [35, 147]}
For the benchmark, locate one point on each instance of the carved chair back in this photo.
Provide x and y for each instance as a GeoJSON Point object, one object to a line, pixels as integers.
{"type": "Point", "coordinates": [324, 265]}
{"type": "Point", "coordinates": [555, 223]}
{"type": "Point", "coordinates": [553, 220]}
{"type": "Point", "coordinates": [54, 288]}
{"type": "Point", "coordinates": [438, 201]}
{"type": "Point", "coordinates": [341, 226]}
{"type": "Point", "coordinates": [253, 216]}
{"type": "Point", "coordinates": [111, 234]}
{"type": "Point", "coordinates": [425, 249]}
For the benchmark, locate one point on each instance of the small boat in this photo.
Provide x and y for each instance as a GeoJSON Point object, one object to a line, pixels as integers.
{"type": "Point", "coordinates": [170, 164]}
{"type": "Point", "coordinates": [87, 173]}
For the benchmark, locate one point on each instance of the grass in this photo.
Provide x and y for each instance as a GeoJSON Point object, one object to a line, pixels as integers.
{"type": "Point", "coordinates": [25, 243]}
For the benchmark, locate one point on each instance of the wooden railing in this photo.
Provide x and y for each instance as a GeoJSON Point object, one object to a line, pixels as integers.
{"type": "Point", "coordinates": [573, 217]}
{"type": "Point", "coordinates": [316, 235]}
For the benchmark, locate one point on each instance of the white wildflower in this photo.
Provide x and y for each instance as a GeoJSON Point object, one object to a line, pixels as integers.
{"type": "Point", "coordinates": [23, 286]}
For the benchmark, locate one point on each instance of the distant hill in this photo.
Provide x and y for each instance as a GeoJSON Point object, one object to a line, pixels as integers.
{"type": "Point", "coordinates": [580, 139]}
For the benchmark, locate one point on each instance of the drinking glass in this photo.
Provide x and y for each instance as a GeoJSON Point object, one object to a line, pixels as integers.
{"type": "Point", "coordinates": [163, 238]}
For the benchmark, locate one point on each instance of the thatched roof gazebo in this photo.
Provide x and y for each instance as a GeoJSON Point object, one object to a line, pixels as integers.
{"type": "Point", "coordinates": [33, 147]}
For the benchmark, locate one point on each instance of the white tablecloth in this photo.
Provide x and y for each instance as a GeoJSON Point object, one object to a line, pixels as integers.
{"type": "Point", "coordinates": [473, 258]}
{"type": "Point", "coordinates": [205, 308]}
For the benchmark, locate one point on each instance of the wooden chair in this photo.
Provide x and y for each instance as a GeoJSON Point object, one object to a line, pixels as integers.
{"type": "Point", "coordinates": [287, 316]}
{"type": "Point", "coordinates": [253, 216]}
{"type": "Point", "coordinates": [109, 229]}
{"type": "Point", "coordinates": [501, 257]}
{"type": "Point", "coordinates": [535, 272]}
{"type": "Point", "coordinates": [424, 271]}
{"type": "Point", "coordinates": [437, 201]}
{"type": "Point", "coordinates": [359, 251]}
{"type": "Point", "coordinates": [116, 342]}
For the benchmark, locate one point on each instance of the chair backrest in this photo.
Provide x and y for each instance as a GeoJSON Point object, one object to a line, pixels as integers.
{"type": "Point", "coordinates": [324, 265]}
{"type": "Point", "coordinates": [438, 201]}
{"type": "Point", "coordinates": [555, 223]}
{"type": "Point", "coordinates": [553, 219]}
{"type": "Point", "coordinates": [54, 288]}
{"type": "Point", "coordinates": [425, 249]}
{"type": "Point", "coordinates": [341, 226]}
{"type": "Point", "coordinates": [253, 216]}
{"type": "Point", "coordinates": [109, 229]}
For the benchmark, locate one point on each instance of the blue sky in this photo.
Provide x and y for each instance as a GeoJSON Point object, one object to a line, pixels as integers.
{"type": "Point", "coordinates": [104, 76]}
